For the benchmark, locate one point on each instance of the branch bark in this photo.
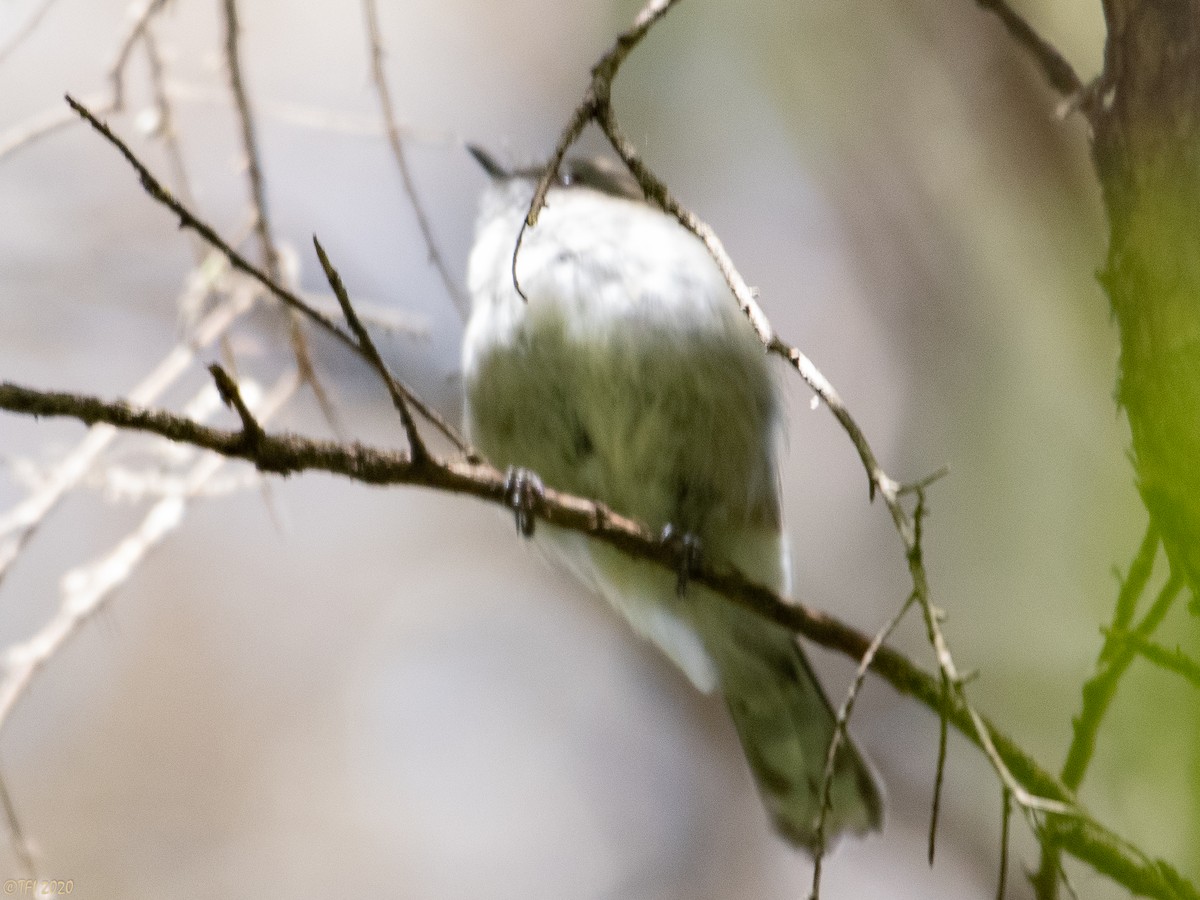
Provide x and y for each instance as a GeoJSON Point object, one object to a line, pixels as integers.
{"type": "Point", "coordinates": [1147, 156]}
{"type": "Point", "coordinates": [1145, 115]}
{"type": "Point", "coordinates": [1076, 833]}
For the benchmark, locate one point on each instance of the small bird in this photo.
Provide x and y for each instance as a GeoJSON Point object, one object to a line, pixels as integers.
{"type": "Point", "coordinates": [623, 370]}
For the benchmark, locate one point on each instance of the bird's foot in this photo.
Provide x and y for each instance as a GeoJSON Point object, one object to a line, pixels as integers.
{"type": "Point", "coordinates": [687, 546]}
{"type": "Point", "coordinates": [523, 492]}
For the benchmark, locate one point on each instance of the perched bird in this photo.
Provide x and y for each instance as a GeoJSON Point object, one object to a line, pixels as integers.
{"type": "Point", "coordinates": [623, 370]}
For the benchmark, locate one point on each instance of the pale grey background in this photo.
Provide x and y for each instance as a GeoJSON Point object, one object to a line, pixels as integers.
{"type": "Point", "coordinates": [387, 694]}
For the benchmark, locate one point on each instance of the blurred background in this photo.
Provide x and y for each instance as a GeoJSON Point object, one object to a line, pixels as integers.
{"type": "Point", "coordinates": [312, 688]}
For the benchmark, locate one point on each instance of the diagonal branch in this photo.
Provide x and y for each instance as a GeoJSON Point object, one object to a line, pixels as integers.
{"type": "Point", "coordinates": [18, 840]}
{"type": "Point", "coordinates": [258, 199]}
{"type": "Point", "coordinates": [1058, 73]}
{"type": "Point", "coordinates": [53, 120]}
{"type": "Point", "coordinates": [375, 41]}
{"type": "Point", "coordinates": [839, 735]}
{"type": "Point", "coordinates": [596, 106]}
{"type": "Point", "coordinates": [1172, 660]}
{"type": "Point", "coordinates": [268, 250]}
{"type": "Point", "coordinates": [367, 346]}
{"type": "Point", "coordinates": [1113, 660]}
{"type": "Point", "coordinates": [285, 454]}
{"type": "Point", "coordinates": [188, 219]}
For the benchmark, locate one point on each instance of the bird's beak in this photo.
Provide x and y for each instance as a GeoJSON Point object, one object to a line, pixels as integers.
{"type": "Point", "coordinates": [488, 162]}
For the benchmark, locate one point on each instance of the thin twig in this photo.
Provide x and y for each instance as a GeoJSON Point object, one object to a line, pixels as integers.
{"type": "Point", "coordinates": [137, 28]}
{"type": "Point", "coordinates": [1005, 819]}
{"type": "Point", "coordinates": [188, 219]}
{"type": "Point", "coordinates": [1134, 584]}
{"type": "Point", "coordinates": [375, 41]}
{"type": "Point", "coordinates": [44, 124]}
{"type": "Point", "coordinates": [17, 838]}
{"type": "Point", "coordinates": [939, 780]}
{"type": "Point", "coordinates": [596, 97]}
{"type": "Point", "coordinates": [1057, 71]}
{"type": "Point", "coordinates": [656, 192]}
{"type": "Point", "coordinates": [1099, 690]}
{"type": "Point", "coordinates": [85, 591]}
{"type": "Point", "coordinates": [416, 445]}
{"type": "Point", "coordinates": [258, 200]}
{"type": "Point", "coordinates": [596, 106]}
{"type": "Point", "coordinates": [231, 396]}
{"type": "Point", "coordinates": [268, 251]}
{"type": "Point", "coordinates": [52, 120]}
{"type": "Point", "coordinates": [381, 316]}
{"type": "Point", "coordinates": [1080, 835]}
{"type": "Point", "coordinates": [1165, 658]}
{"type": "Point", "coordinates": [164, 127]}
{"type": "Point", "coordinates": [121, 484]}
{"type": "Point", "coordinates": [839, 736]}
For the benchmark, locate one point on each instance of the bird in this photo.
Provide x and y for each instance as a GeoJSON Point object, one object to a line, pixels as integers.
{"type": "Point", "coordinates": [610, 360]}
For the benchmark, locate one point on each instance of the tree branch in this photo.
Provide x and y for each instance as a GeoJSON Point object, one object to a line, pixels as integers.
{"type": "Point", "coordinates": [1055, 69]}
{"type": "Point", "coordinates": [268, 250]}
{"type": "Point", "coordinates": [596, 106]}
{"type": "Point", "coordinates": [392, 130]}
{"type": "Point", "coordinates": [287, 454]}
{"type": "Point", "coordinates": [416, 445]}
{"type": "Point", "coordinates": [187, 219]}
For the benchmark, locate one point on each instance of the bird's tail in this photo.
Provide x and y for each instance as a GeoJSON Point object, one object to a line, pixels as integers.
{"type": "Point", "coordinates": [785, 724]}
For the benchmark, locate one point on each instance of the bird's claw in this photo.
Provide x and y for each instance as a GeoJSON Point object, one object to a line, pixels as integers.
{"type": "Point", "coordinates": [687, 545]}
{"type": "Point", "coordinates": [523, 492]}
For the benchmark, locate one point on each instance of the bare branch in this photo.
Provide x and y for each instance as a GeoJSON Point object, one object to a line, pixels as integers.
{"type": "Point", "coordinates": [375, 40]}
{"type": "Point", "coordinates": [1098, 691]}
{"type": "Point", "coordinates": [596, 106]}
{"type": "Point", "coordinates": [596, 98]}
{"type": "Point", "coordinates": [1164, 657]}
{"type": "Point", "coordinates": [285, 454]}
{"type": "Point", "coordinates": [17, 838]}
{"type": "Point", "coordinates": [53, 120]}
{"type": "Point", "coordinates": [839, 735]}
{"type": "Point", "coordinates": [45, 124]}
{"type": "Point", "coordinates": [657, 193]}
{"type": "Point", "coordinates": [137, 28]}
{"type": "Point", "coordinates": [1054, 67]}
{"type": "Point", "coordinates": [939, 780]}
{"type": "Point", "coordinates": [231, 396]}
{"type": "Point", "coordinates": [399, 399]}
{"type": "Point", "coordinates": [164, 127]}
{"type": "Point", "coordinates": [1102, 686]}
{"type": "Point", "coordinates": [383, 317]}
{"type": "Point", "coordinates": [187, 219]}
{"type": "Point", "coordinates": [122, 484]}
{"type": "Point", "coordinates": [1005, 820]}
{"type": "Point", "coordinates": [258, 200]}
